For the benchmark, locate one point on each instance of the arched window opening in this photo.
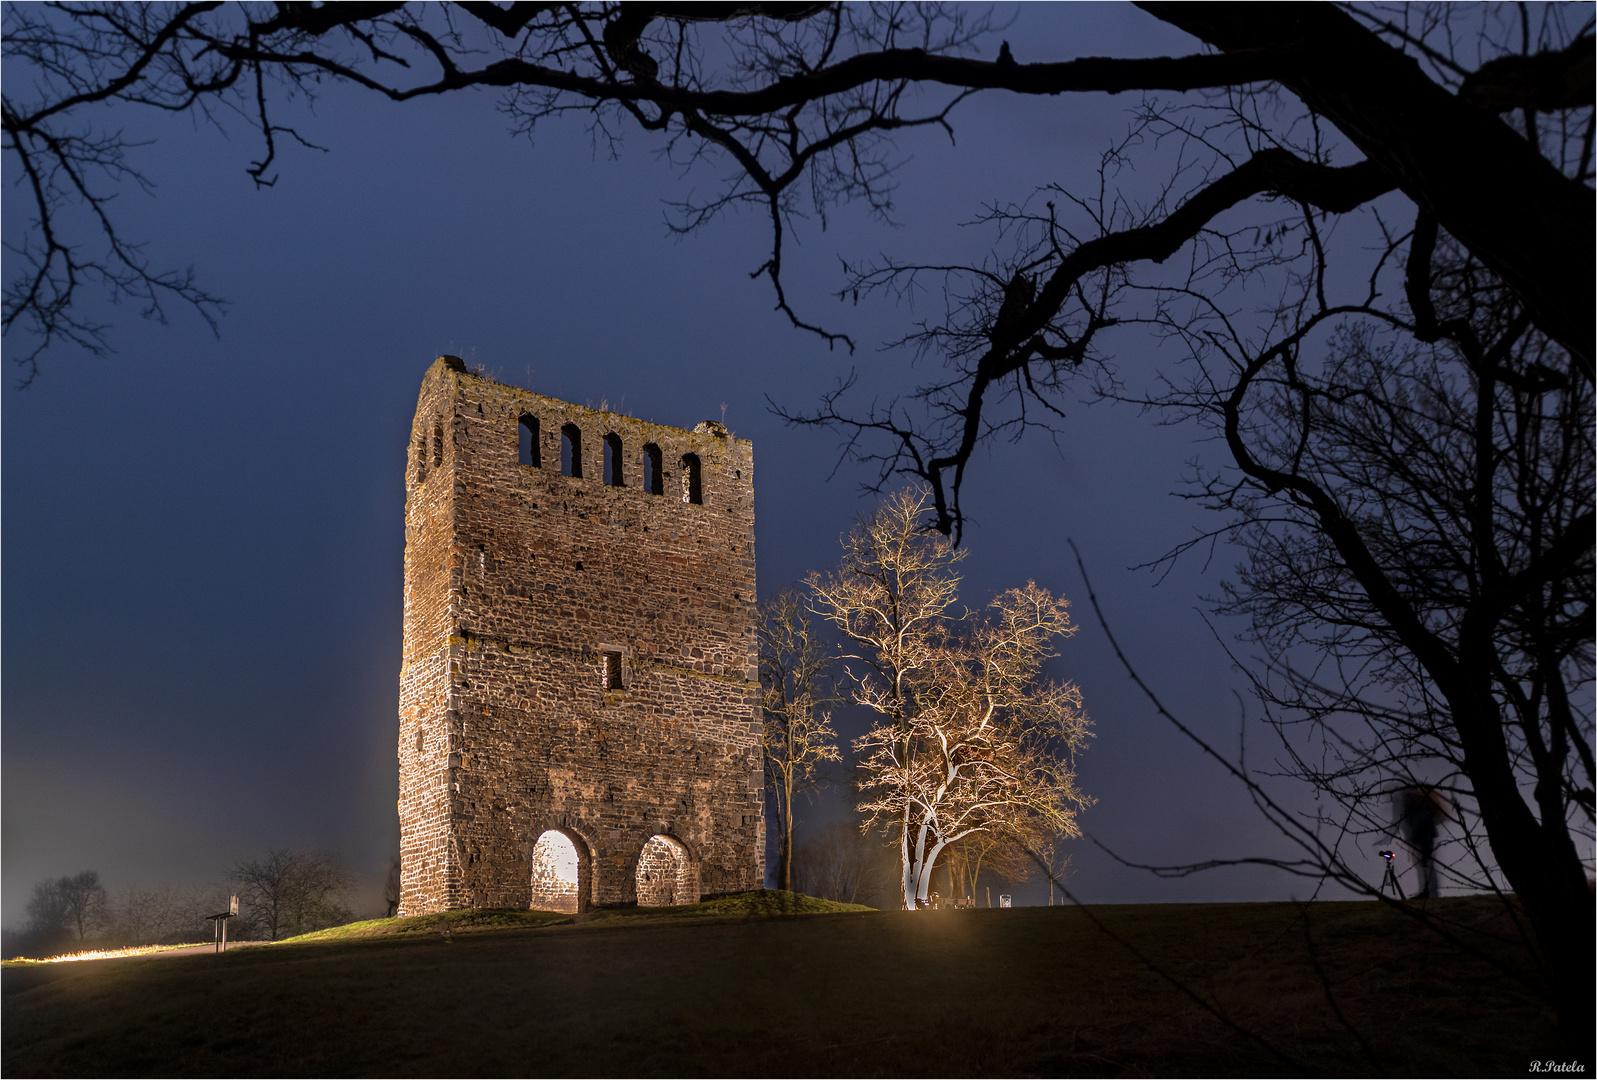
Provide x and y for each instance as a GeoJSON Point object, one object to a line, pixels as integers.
{"type": "Point", "coordinates": [571, 451]}
{"type": "Point", "coordinates": [528, 453]}
{"type": "Point", "coordinates": [692, 491]}
{"type": "Point", "coordinates": [613, 474]}
{"type": "Point", "coordinates": [438, 443]}
{"type": "Point", "coordinates": [556, 873]}
{"type": "Point", "coordinates": [665, 874]}
{"type": "Point", "coordinates": [653, 481]}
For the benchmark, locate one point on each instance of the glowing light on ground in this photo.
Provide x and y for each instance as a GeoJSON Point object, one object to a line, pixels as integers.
{"type": "Point", "coordinates": [101, 954]}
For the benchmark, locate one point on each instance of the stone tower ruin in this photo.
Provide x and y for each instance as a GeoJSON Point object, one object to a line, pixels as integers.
{"type": "Point", "coordinates": [579, 704]}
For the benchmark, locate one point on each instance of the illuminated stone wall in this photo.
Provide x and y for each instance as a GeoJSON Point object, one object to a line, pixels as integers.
{"type": "Point", "coordinates": [518, 582]}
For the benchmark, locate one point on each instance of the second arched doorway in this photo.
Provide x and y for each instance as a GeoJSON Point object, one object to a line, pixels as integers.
{"type": "Point", "coordinates": [666, 874]}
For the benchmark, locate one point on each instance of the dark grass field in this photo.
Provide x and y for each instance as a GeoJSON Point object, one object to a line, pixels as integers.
{"type": "Point", "coordinates": [758, 989]}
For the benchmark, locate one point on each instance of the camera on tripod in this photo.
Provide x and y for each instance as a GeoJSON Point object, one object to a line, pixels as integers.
{"type": "Point", "coordinates": [1391, 875]}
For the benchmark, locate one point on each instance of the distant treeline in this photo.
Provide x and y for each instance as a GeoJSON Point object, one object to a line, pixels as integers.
{"type": "Point", "coordinates": [283, 894]}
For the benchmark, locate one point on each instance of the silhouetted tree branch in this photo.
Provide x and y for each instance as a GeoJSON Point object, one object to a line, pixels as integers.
{"type": "Point", "coordinates": [810, 93]}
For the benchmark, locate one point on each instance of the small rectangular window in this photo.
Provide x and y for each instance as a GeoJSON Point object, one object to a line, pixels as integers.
{"type": "Point", "coordinates": [653, 482]}
{"type": "Point", "coordinates": [528, 453]}
{"type": "Point", "coordinates": [612, 670]}
{"type": "Point", "coordinates": [571, 451]}
{"type": "Point", "coordinates": [692, 487]}
{"type": "Point", "coordinates": [613, 474]}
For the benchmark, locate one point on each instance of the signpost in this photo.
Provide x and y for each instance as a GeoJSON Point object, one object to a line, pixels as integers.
{"type": "Point", "coordinates": [220, 919]}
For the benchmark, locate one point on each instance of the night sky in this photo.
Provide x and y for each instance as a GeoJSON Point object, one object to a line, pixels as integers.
{"type": "Point", "coordinates": [203, 536]}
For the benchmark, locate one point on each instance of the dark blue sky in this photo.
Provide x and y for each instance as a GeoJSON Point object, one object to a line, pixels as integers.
{"type": "Point", "coordinates": [203, 536]}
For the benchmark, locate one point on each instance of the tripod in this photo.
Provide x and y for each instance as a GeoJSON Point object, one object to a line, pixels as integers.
{"type": "Point", "coordinates": [1391, 876]}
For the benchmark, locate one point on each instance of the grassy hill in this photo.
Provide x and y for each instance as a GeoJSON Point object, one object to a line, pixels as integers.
{"type": "Point", "coordinates": [775, 984]}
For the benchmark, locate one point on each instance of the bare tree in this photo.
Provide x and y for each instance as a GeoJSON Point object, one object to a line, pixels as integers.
{"type": "Point", "coordinates": [840, 861]}
{"type": "Point", "coordinates": [798, 733]}
{"type": "Point", "coordinates": [144, 916]}
{"type": "Point", "coordinates": [84, 904]}
{"type": "Point", "coordinates": [171, 914]}
{"type": "Point", "coordinates": [46, 929]}
{"type": "Point", "coordinates": [1416, 524]}
{"type": "Point", "coordinates": [1050, 855]}
{"type": "Point", "coordinates": [67, 911]}
{"type": "Point", "coordinates": [46, 911]}
{"type": "Point", "coordinates": [969, 738]}
{"type": "Point", "coordinates": [1004, 854]}
{"type": "Point", "coordinates": [291, 893]}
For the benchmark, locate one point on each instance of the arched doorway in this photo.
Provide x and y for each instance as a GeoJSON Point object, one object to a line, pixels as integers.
{"type": "Point", "coordinates": [665, 874]}
{"type": "Point", "coordinates": [556, 873]}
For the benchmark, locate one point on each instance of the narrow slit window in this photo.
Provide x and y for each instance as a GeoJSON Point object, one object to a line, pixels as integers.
{"type": "Point", "coordinates": [438, 443]}
{"type": "Point", "coordinates": [571, 451]}
{"type": "Point", "coordinates": [612, 670]}
{"type": "Point", "coordinates": [653, 482]}
{"type": "Point", "coordinates": [613, 473]}
{"type": "Point", "coordinates": [692, 488]}
{"type": "Point", "coordinates": [528, 453]}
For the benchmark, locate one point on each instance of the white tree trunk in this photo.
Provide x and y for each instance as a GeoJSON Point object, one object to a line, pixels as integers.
{"type": "Point", "coordinates": [906, 864]}
{"type": "Point", "coordinates": [924, 871]}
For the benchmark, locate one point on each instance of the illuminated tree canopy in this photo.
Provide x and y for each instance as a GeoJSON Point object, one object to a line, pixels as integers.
{"type": "Point", "coordinates": [970, 738]}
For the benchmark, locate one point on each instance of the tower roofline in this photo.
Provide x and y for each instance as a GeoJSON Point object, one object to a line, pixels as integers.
{"type": "Point", "coordinates": [448, 366]}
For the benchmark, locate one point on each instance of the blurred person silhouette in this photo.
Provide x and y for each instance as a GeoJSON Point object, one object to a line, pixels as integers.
{"type": "Point", "coordinates": [1420, 812]}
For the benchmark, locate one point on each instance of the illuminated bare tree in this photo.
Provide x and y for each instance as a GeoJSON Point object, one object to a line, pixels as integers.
{"type": "Point", "coordinates": [798, 732]}
{"type": "Point", "coordinates": [970, 737]}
